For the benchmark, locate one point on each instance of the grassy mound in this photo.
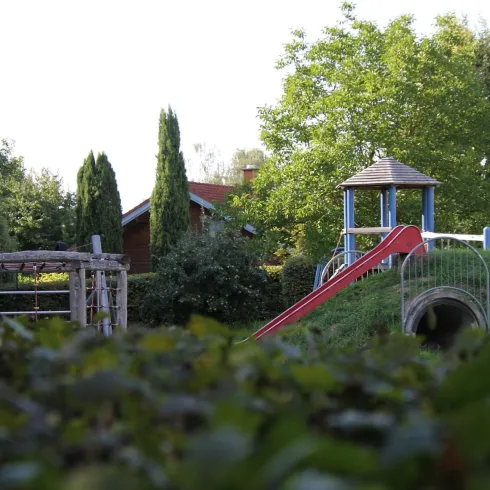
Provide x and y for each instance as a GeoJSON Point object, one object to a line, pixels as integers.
{"type": "Point", "coordinates": [355, 314]}
{"type": "Point", "coordinates": [373, 305]}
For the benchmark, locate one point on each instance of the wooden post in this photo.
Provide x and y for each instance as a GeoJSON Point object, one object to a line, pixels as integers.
{"type": "Point", "coordinates": [82, 297]}
{"type": "Point", "coordinates": [102, 298]}
{"type": "Point", "coordinates": [74, 286]}
{"type": "Point", "coordinates": [122, 299]}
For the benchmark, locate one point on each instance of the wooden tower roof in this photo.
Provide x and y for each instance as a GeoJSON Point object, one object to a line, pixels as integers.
{"type": "Point", "coordinates": [387, 172]}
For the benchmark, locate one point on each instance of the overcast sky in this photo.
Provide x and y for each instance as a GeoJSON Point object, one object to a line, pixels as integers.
{"type": "Point", "coordinates": [94, 74]}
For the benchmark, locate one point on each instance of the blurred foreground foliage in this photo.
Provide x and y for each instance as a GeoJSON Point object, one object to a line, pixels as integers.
{"type": "Point", "coordinates": [190, 408]}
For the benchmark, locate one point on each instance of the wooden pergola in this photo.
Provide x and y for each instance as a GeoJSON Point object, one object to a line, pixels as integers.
{"type": "Point", "coordinates": [386, 175]}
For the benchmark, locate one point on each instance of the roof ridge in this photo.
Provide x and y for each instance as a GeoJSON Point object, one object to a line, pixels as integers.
{"type": "Point", "coordinates": [206, 183]}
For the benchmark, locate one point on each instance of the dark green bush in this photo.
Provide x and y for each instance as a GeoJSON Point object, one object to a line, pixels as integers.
{"type": "Point", "coordinates": [273, 301]}
{"type": "Point", "coordinates": [298, 276]}
{"type": "Point", "coordinates": [211, 274]}
{"type": "Point", "coordinates": [138, 287]}
{"type": "Point", "coordinates": [181, 409]}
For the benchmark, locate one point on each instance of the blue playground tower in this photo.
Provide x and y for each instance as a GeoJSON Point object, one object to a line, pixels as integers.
{"type": "Point", "coordinates": [387, 176]}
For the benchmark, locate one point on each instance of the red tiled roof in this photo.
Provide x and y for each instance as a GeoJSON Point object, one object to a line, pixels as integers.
{"type": "Point", "coordinates": [136, 207]}
{"type": "Point", "coordinates": [208, 192]}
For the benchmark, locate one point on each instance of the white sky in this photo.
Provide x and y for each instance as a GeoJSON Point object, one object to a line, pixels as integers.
{"type": "Point", "coordinates": [94, 74]}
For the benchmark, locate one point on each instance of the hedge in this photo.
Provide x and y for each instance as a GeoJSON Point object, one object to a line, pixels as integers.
{"type": "Point", "coordinates": [181, 409]}
{"type": "Point", "coordinates": [298, 277]}
{"type": "Point", "coordinates": [138, 287]}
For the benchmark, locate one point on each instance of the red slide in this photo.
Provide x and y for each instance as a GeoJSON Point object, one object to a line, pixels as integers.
{"type": "Point", "coordinates": [402, 239]}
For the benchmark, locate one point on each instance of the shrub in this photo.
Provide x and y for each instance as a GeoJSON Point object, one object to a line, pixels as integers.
{"type": "Point", "coordinates": [211, 274]}
{"type": "Point", "coordinates": [274, 271]}
{"type": "Point", "coordinates": [273, 301]}
{"type": "Point", "coordinates": [139, 285]}
{"type": "Point", "coordinates": [173, 408]}
{"type": "Point", "coordinates": [298, 276]}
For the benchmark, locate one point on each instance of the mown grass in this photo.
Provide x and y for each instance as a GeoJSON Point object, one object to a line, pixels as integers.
{"type": "Point", "coordinates": [355, 314]}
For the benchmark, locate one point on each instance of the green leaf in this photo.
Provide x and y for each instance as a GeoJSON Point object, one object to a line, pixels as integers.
{"type": "Point", "coordinates": [17, 475]}
{"type": "Point", "coordinates": [314, 377]}
{"type": "Point", "coordinates": [465, 384]}
{"type": "Point", "coordinates": [312, 480]}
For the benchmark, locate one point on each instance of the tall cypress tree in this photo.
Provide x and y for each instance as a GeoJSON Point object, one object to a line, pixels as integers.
{"type": "Point", "coordinates": [169, 203]}
{"type": "Point", "coordinates": [98, 209]}
{"type": "Point", "coordinates": [109, 202]}
{"type": "Point", "coordinates": [86, 212]}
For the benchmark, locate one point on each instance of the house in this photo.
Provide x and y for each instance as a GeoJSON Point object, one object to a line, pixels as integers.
{"type": "Point", "coordinates": [136, 221]}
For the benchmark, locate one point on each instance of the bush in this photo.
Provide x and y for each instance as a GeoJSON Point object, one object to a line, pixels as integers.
{"type": "Point", "coordinates": [273, 301]}
{"type": "Point", "coordinates": [298, 276]}
{"type": "Point", "coordinates": [274, 271]}
{"type": "Point", "coordinates": [211, 274]}
{"type": "Point", "coordinates": [139, 285]}
{"type": "Point", "coordinates": [173, 408]}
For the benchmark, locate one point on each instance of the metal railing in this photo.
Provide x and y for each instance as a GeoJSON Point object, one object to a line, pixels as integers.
{"type": "Point", "coordinates": [445, 263]}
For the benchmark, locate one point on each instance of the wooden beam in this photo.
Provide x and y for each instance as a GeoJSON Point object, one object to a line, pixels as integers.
{"type": "Point", "coordinates": [82, 297]}
{"type": "Point", "coordinates": [74, 286]}
{"type": "Point", "coordinates": [55, 256]}
{"type": "Point", "coordinates": [367, 231]}
{"type": "Point", "coordinates": [122, 300]}
{"type": "Point", "coordinates": [427, 235]}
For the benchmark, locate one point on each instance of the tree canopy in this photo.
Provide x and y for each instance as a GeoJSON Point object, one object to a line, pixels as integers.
{"type": "Point", "coordinates": [214, 170]}
{"type": "Point", "coordinates": [35, 209]}
{"type": "Point", "coordinates": [40, 211]}
{"type": "Point", "coordinates": [362, 92]}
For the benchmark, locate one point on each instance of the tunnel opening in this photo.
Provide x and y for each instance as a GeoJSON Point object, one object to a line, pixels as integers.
{"type": "Point", "coordinates": [442, 321]}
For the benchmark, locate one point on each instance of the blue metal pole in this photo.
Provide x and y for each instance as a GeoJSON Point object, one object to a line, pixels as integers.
{"type": "Point", "coordinates": [346, 222]}
{"type": "Point", "coordinates": [351, 224]}
{"type": "Point", "coordinates": [486, 238]}
{"type": "Point", "coordinates": [424, 209]}
{"type": "Point", "coordinates": [392, 213]}
{"type": "Point", "coordinates": [430, 213]}
{"type": "Point", "coordinates": [384, 210]}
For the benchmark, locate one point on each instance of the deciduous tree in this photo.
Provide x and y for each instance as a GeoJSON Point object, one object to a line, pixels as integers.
{"type": "Point", "coordinates": [39, 211]}
{"type": "Point", "coordinates": [362, 92]}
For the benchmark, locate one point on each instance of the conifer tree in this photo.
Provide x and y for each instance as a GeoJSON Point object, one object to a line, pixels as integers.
{"type": "Point", "coordinates": [86, 217]}
{"type": "Point", "coordinates": [169, 204]}
{"type": "Point", "coordinates": [109, 201]}
{"type": "Point", "coordinates": [98, 209]}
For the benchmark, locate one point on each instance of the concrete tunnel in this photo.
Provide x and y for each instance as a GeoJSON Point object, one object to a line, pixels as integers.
{"type": "Point", "coordinates": [441, 314]}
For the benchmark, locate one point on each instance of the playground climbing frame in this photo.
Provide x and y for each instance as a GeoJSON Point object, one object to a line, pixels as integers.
{"type": "Point", "coordinates": [97, 285]}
